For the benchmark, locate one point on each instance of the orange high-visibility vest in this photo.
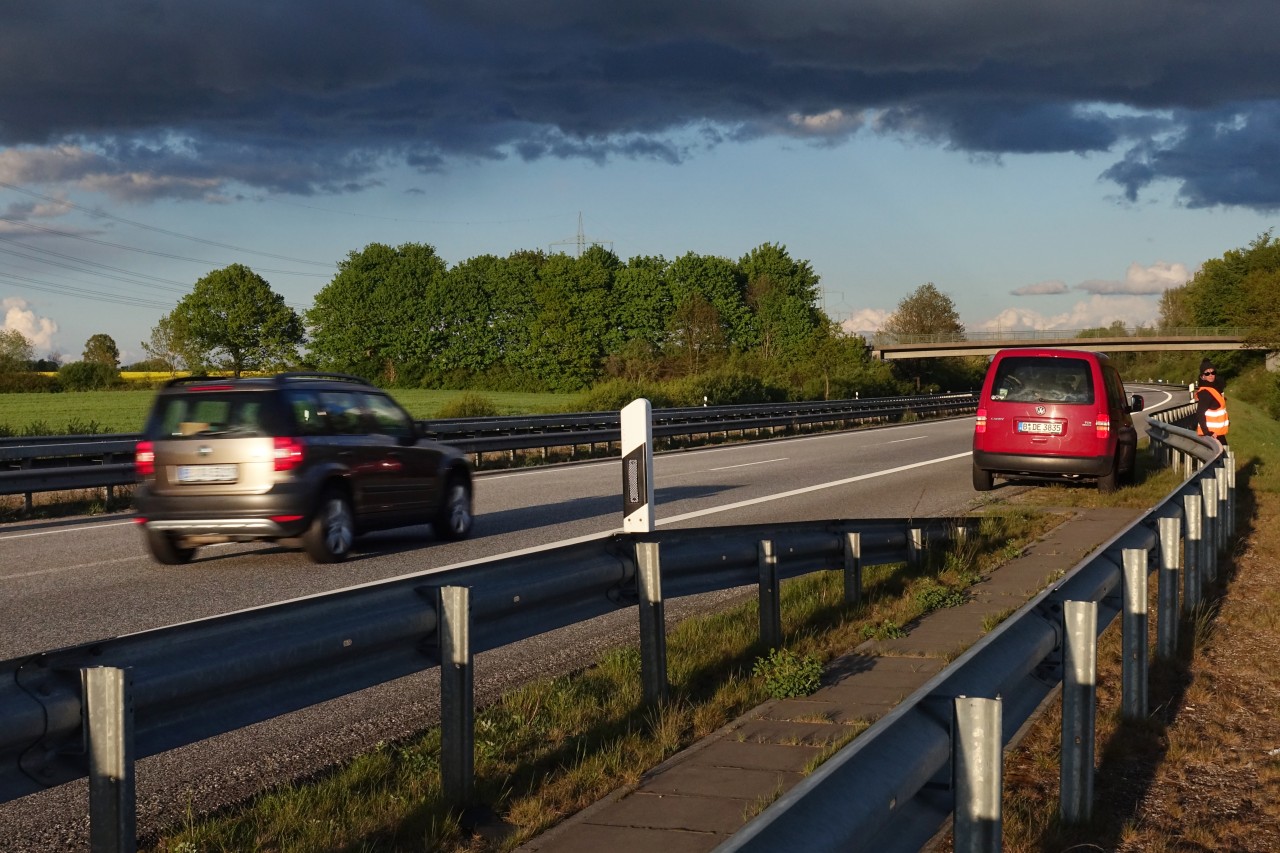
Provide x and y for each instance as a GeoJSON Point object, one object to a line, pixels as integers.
{"type": "Point", "coordinates": [1216, 418]}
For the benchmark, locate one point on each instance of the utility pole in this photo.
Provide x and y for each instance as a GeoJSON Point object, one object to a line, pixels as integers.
{"type": "Point", "coordinates": [581, 240]}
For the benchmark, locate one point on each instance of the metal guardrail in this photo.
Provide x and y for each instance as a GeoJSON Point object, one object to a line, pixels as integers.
{"type": "Point", "coordinates": [50, 463]}
{"type": "Point", "coordinates": [184, 683]}
{"type": "Point", "coordinates": [892, 789]}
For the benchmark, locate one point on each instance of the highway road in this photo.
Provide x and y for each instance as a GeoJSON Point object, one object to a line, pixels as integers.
{"type": "Point", "coordinates": [70, 581]}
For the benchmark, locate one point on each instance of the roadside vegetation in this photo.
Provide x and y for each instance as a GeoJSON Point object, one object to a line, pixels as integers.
{"type": "Point", "coordinates": [550, 748]}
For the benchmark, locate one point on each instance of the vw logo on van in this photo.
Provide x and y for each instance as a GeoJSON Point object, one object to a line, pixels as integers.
{"type": "Point", "coordinates": [1040, 410]}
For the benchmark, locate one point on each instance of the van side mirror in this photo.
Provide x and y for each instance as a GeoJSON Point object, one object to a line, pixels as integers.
{"type": "Point", "coordinates": [1136, 403]}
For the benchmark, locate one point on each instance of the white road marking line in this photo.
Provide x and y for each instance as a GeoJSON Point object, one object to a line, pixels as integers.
{"type": "Point", "coordinates": [749, 464]}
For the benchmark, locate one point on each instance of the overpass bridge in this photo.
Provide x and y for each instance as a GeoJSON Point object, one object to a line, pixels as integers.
{"type": "Point", "coordinates": [893, 347]}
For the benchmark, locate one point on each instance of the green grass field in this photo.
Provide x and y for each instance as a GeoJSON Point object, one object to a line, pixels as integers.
{"type": "Point", "coordinates": [124, 411]}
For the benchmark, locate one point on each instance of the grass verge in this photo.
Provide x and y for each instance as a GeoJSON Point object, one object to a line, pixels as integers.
{"type": "Point", "coordinates": [550, 748]}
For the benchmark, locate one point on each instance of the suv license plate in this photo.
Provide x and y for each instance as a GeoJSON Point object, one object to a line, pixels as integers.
{"type": "Point", "coordinates": [1050, 427]}
{"type": "Point", "coordinates": [207, 473]}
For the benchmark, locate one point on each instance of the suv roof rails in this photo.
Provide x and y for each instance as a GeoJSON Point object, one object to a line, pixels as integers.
{"type": "Point", "coordinates": [320, 374]}
{"type": "Point", "coordinates": [276, 379]}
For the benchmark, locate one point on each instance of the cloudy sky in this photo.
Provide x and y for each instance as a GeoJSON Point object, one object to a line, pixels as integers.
{"type": "Point", "coordinates": [1049, 165]}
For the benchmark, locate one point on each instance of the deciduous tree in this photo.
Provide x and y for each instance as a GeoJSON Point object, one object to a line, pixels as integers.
{"type": "Point", "coordinates": [232, 320]}
{"type": "Point", "coordinates": [102, 349]}
{"type": "Point", "coordinates": [15, 351]}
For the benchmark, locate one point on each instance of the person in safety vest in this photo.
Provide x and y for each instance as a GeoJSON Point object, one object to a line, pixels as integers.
{"type": "Point", "coordinates": [1211, 405]}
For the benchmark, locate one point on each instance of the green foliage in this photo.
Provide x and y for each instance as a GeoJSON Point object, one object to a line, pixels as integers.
{"type": "Point", "coordinates": [616, 394]}
{"type": "Point", "coordinates": [884, 630]}
{"type": "Point", "coordinates": [88, 376]}
{"type": "Point", "coordinates": [787, 675]}
{"type": "Point", "coordinates": [469, 404]}
{"type": "Point", "coordinates": [232, 320]}
{"type": "Point", "coordinates": [936, 596]}
{"type": "Point", "coordinates": [15, 351]}
{"type": "Point", "coordinates": [725, 387]}
{"type": "Point", "coordinates": [102, 349]}
{"type": "Point", "coordinates": [27, 383]}
{"type": "Point", "coordinates": [1261, 388]}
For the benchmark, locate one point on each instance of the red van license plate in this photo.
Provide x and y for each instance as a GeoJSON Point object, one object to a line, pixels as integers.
{"type": "Point", "coordinates": [1046, 427]}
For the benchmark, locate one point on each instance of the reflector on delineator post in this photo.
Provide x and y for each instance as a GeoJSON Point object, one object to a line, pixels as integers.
{"type": "Point", "coordinates": [637, 467]}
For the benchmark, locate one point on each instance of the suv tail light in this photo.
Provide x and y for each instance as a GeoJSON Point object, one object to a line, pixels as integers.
{"type": "Point", "coordinates": [980, 425]}
{"type": "Point", "coordinates": [1103, 424]}
{"type": "Point", "coordinates": [144, 459]}
{"type": "Point", "coordinates": [288, 453]}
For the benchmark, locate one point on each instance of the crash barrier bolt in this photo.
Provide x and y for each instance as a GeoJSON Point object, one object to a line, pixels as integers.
{"type": "Point", "coordinates": [1192, 552]}
{"type": "Point", "coordinates": [1167, 588]}
{"type": "Point", "coordinates": [1079, 707]}
{"type": "Point", "coordinates": [770, 597]}
{"type": "Point", "coordinates": [1133, 636]}
{"type": "Point", "coordinates": [915, 546]}
{"type": "Point", "coordinates": [653, 624]}
{"type": "Point", "coordinates": [977, 757]}
{"type": "Point", "coordinates": [853, 568]}
{"type": "Point", "coordinates": [109, 731]}
{"type": "Point", "coordinates": [1209, 490]}
{"type": "Point", "coordinates": [457, 696]}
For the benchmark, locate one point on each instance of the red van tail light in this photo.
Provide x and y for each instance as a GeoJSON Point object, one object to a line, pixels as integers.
{"type": "Point", "coordinates": [980, 425]}
{"type": "Point", "coordinates": [1103, 424]}
{"type": "Point", "coordinates": [144, 459]}
{"type": "Point", "coordinates": [288, 453]}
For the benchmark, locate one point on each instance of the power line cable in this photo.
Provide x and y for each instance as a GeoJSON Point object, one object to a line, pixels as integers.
{"type": "Point", "coordinates": [68, 290]}
{"type": "Point", "coordinates": [104, 215]}
{"type": "Point", "coordinates": [57, 232]}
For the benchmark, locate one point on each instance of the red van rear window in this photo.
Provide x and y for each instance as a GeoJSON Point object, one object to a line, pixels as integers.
{"type": "Point", "coordinates": [1040, 379]}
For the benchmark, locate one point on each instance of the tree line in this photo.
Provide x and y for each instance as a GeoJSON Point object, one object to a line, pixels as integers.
{"type": "Point", "coordinates": [703, 326]}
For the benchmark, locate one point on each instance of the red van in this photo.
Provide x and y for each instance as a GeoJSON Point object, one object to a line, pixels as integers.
{"type": "Point", "coordinates": [1054, 414]}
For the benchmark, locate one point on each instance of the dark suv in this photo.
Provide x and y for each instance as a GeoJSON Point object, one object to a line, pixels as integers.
{"type": "Point", "coordinates": [303, 458]}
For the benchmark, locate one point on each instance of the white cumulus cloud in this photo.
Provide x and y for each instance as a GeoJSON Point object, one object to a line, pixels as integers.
{"type": "Point", "coordinates": [19, 315]}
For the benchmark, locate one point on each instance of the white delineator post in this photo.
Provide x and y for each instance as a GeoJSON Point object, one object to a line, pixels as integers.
{"type": "Point", "coordinates": [637, 467]}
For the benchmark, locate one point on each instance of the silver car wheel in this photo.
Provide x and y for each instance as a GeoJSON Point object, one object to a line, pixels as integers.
{"type": "Point", "coordinates": [454, 518]}
{"type": "Point", "coordinates": [339, 527]}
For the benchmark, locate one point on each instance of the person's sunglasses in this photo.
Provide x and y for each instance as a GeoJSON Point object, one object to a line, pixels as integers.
{"type": "Point", "coordinates": [1210, 373]}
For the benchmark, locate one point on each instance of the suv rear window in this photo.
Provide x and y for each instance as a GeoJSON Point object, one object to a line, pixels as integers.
{"type": "Point", "coordinates": [1043, 380]}
{"type": "Point", "coordinates": [206, 413]}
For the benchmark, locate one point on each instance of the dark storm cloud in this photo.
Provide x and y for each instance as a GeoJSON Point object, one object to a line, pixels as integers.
{"type": "Point", "coordinates": [155, 97]}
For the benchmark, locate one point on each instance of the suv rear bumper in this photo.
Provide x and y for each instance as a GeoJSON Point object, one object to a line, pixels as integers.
{"type": "Point", "coordinates": [1018, 463]}
{"type": "Point", "coordinates": [276, 514]}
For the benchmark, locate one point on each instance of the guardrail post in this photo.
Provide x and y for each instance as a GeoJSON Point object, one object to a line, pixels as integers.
{"type": "Point", "coordinates": [1133, 638]}
{"type": "Point", "coordinates": [1167, 588]}
{"type": "Point", "coordinates": [977, 759]}
{"type": "Point", "coordinates": [1231, 492]}
{"type": "Point", "coordinates": [1079, 709]}
{"type": "Point", "coordinates": [1192, 552]}
{"type": "Point", "coordinates": [457, 696]}
{"type": "Point", "coordinates": [853, 568]}
{"type": "Point", "coordinates": [770, 597]}
{"type": "Point", "coordinates": [653, 624]}
{"type": "Point", "coordinates": [1209, 490]}
{"type": "Point", "coordinates": [109, 734]}
{"type": "Point", "coordinates": [1224, 506]}
{"type": "Point", "coordinates": [915, 546]}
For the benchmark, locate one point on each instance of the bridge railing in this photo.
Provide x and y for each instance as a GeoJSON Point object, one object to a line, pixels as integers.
{"type": "Point", "coordinates": [1022, 335]}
